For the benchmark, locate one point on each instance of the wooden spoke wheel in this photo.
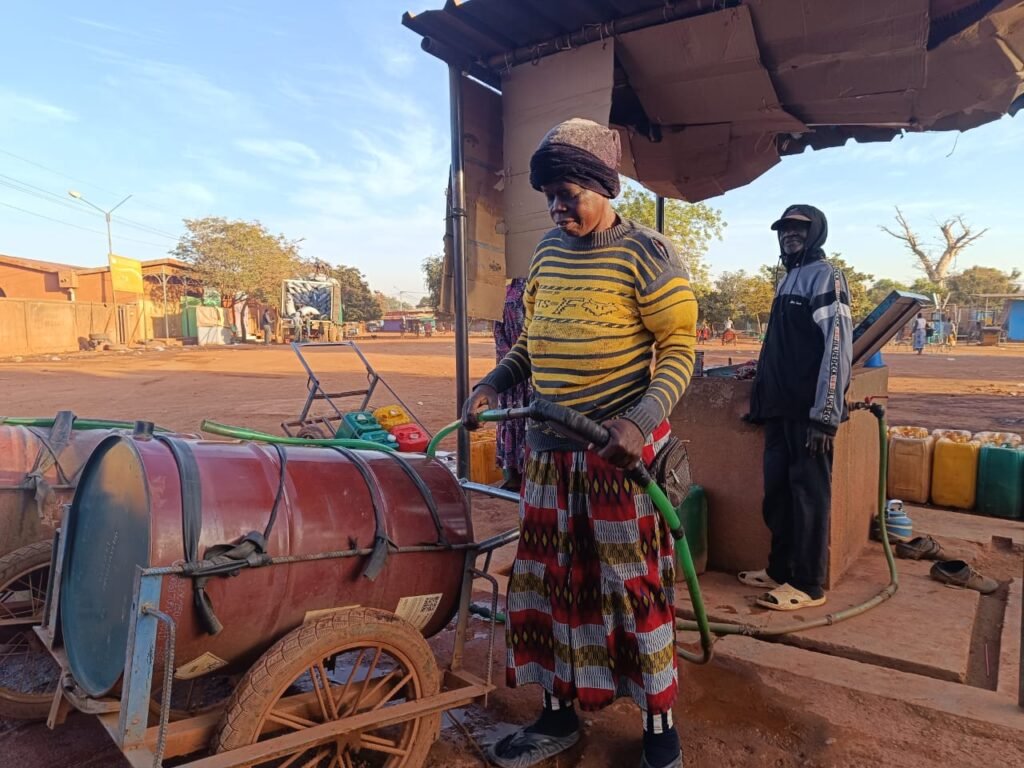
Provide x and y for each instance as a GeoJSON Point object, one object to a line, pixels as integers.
{"type": "Point", "coordinates": [343, 665]}
{"type": "Point", "coordinates": [28, 674]}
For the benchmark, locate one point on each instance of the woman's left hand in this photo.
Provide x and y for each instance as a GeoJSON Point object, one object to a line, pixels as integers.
{"type": "Point", "coordinates": [625, 443]}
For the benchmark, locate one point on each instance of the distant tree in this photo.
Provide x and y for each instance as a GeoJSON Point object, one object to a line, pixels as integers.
{"type": "Point", "coordinates": [936, 263]}
{"type": "Point", "coordinates": [433, 274]}
{"type": "Point", "coordinates": [882, 288]}
{"type": "Point", "coordinates": [978, 280]}
{"type": "Point", "coordinates": [359, 302]}
{"type": "Point", "coordinates": [425, 303]}
{"type": "Point", "coordinates": [690, 226]}
{"type": "Point", "coordinates": [859, 282]}
{"type": "Point", "coordinates": [241, 259]}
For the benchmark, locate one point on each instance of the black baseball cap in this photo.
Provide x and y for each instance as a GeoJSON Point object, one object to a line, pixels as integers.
{"type": "Point", "coordinates": [793, 213]}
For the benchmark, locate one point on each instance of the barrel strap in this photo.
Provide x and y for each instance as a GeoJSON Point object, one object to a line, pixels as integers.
{"type": "Point", "coordinates": [424, 489]}
{"type": "Point", "coordinates": [381, 541]}
{"type": "Point", "coordinates": [52, 446]}
{"type": "Point", "coordinates": [192, 525]}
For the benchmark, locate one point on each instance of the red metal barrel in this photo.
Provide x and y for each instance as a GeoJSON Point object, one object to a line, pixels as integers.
{"type": "Point", "coordinates": [131, 496]}
{"type": "Point", "coordinates": [34, 483]}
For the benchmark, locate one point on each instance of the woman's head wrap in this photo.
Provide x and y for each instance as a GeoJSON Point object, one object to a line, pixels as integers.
{"type": "Point", "coordinates": [579, 152]}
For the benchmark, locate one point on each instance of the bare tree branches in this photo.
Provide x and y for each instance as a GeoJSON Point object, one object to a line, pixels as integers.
{"type": "Point", "coordinates": [936, 265]}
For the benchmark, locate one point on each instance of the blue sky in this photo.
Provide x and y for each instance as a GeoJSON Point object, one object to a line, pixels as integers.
{"type": "Point", "coordinates": [326, 121]}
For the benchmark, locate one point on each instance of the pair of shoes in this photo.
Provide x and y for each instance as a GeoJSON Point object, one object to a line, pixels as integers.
{"type": "Point", "coordinates": [788, 598]}
{"type": "Point", "coordinates": [958, 573]}
{"type": "Point", "coordinates": [759, 579]}
{"type": "Point", "coordinates": [523, 748]}
{"type": "Point", "coordinates": [677, 763]}
{"type": "Point", "coordinates": [920, 548]}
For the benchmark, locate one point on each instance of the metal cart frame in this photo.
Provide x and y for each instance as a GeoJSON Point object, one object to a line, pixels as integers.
{"type": "Point", "coordinates": [315, 392]}
{"type": "Point", "coordinates": [126, 719]}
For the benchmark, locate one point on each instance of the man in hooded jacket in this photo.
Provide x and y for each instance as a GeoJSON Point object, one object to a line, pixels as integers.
{"type": "Point", "coordinates": [799, 395]}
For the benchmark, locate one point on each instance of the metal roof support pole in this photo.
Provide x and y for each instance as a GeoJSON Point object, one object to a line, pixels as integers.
{"type": "Point", "coordinates": [459, 237]}
{"type": "Point", "coordinates": [659, 214]}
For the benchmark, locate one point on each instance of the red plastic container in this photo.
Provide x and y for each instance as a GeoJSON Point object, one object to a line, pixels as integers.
{"type": "Point", "coordinates": [411, 438]}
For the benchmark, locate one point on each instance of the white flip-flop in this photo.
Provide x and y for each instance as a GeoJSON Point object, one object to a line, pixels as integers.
{"type": "Point", "coordinates": [759, 579]}
{"type": "Point", "coordinates": [788, 598]}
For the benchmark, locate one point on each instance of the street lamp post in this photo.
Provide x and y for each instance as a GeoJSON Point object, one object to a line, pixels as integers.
{"type": "Point", "coordinates": [110, 252]}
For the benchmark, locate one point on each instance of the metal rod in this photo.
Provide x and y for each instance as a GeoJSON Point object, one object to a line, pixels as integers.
{"type": "Point", "coordinates": [459, 237]}
{"type": "Point", "coordinates": [179, 570]}
{"type": "Point", "coordinates": [659, 214]}
{"type": "Point", "coordinates": [490, 490]}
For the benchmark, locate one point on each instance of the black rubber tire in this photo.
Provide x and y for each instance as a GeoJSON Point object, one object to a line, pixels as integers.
{"type": "Point", "coordinates": [33, 557]}
{"type": "Point", "coordinates": [270, 677]}
{"type": "Point", "coordinates": [313, 432]}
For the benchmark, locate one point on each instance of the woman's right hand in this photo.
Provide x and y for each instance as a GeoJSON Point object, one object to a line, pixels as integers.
{"type": "Point", "coordinates": [483, 398]}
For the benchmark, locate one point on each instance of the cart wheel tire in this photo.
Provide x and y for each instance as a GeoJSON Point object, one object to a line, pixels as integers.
{"type": "Point", "coordinates": [312, 432]}
{"type": "Point", "coordinates": [25, 570]}
{"type": "Point", "coordinates": [367, 635]}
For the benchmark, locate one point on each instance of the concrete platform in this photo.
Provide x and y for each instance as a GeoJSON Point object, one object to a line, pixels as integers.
{"type": "Point", "coordinates": [924, 629]}
{"type": "Point", "coordinates": [963, 525]}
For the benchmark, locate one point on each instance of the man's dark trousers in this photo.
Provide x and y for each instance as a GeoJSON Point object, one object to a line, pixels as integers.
{"type": "Point", "coordinates": [797, 503]}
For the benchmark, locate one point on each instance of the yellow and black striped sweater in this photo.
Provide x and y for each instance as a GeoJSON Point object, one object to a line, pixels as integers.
{"type": "Point", "coordinates": [598, 310]}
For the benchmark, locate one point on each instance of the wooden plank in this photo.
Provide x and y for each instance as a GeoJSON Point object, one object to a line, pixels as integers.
{"type": "Point", "coordinates": [291, 743]}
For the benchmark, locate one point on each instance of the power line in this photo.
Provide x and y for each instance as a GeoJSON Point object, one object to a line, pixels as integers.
{"type": "Point", "coordinates": [78, 226]}
{"type": "Point", "coordinates": [130, 222]}
{"type": "Point", "coordinates": [51, 197]}
{"type": "Point", "coordinates": [51, 170]}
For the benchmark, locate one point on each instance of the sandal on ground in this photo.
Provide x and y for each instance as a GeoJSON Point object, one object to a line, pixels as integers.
{"type": "Point", "coordinates": [757, 579]}
{"type": "Point", "coordinates": [523, 748]}
{"type": "Point", "coordinates": [920, 548]}
{"type": "Point", "coordinates": [677, 763]}
{"type": "Point", "coordinates": [958, 573]}
{"type": "Point", "coordinates": [788, 598]}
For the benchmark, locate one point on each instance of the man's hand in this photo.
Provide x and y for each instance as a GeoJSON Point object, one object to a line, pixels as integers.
{"type": "Point", "coordinates": [818, 442]}
{"type": "Point", "coordinates": [625, 443]}
{"type": "Point", "coordinates": [482, 398]}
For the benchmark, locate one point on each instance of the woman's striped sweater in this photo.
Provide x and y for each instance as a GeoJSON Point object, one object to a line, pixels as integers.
{"type": "Point", "coordinates": [599, 309]}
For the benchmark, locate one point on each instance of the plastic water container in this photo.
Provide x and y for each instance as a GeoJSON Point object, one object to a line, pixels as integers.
{"type": "Point", "coordinates": [483, 452]}
{"type": "Point", "coordinates": [380, 436]}
{"type": "Point", "coordinates": [391, 416]}
{"type": "Point", "coordinates": [875, 361]}
{"type": "Point", "coordinates": [955, 474]}
{"type": "Point", "coordinates": [915, 432]}
{"type": "Point", "coordinates": [1001, 482]}
{"type": "Point", "coordinates": [411, 438]}
{"type": "Point", "coordinates": [956, 435]}
{"type": "Point", "coordinates": [910, 467]}
{"type": "Point", "coordinates": [1002, 439]}
{"type": "Point", "coordinates": [357, 423]}
{"type": "Point", "coordinates": [693, 514]}
{"type": "Point", "coordinates": [897, 522]}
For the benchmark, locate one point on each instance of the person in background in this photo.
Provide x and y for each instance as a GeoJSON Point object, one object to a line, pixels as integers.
{"type": "Point", "coordinates": [799, 395]}
{"type": "Point", "coordinates": [267, 321]}
{"type": "Point", "coordinates": [920, 337]}
{"type": "Point", "coordinates": [511, 449]}
{"type": "Point", "coordinates": [590, 600]}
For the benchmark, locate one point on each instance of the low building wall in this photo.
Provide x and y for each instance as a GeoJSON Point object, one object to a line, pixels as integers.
{"type": "Point", "coordinates": [726, 459]}
{"type": "Point", "coordinates": [32, 327]}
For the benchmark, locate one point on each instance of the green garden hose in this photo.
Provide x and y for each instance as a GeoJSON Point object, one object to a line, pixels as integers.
{"type": "Point", "coordinates": [708, 630]}
{"type": "Point", "coordinates": [240, 433]}
{"type": "Point", "coordinates": [83, 424]}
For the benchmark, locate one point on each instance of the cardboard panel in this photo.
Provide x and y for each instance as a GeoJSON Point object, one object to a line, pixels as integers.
{"type": "Point", "coordinates": [704, 70]}
{"type": "Point", "coordinates": [834, 61]}
{"type": "Point", "coordinates": [981, 69]}
{"type": "Point", "coordinates": [485, 225]}
{"type": "Point", "coordinates": [537, 97]}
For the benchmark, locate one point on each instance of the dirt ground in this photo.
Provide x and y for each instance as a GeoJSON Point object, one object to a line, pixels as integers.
{"type": "Point", "coordinates": [729, 714]}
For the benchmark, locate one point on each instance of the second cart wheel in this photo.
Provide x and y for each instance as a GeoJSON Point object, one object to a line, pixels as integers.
{"type": "Point", "coordinates": [313, 432]}
{"type": "Point", "coordinates": [28, 674]}
{"type": "Point", "coordinates": [339, 666]}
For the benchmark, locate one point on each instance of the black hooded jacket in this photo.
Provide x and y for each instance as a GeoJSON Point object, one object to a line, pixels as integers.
{"type": "Point", "coordinates": [804, 369]}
